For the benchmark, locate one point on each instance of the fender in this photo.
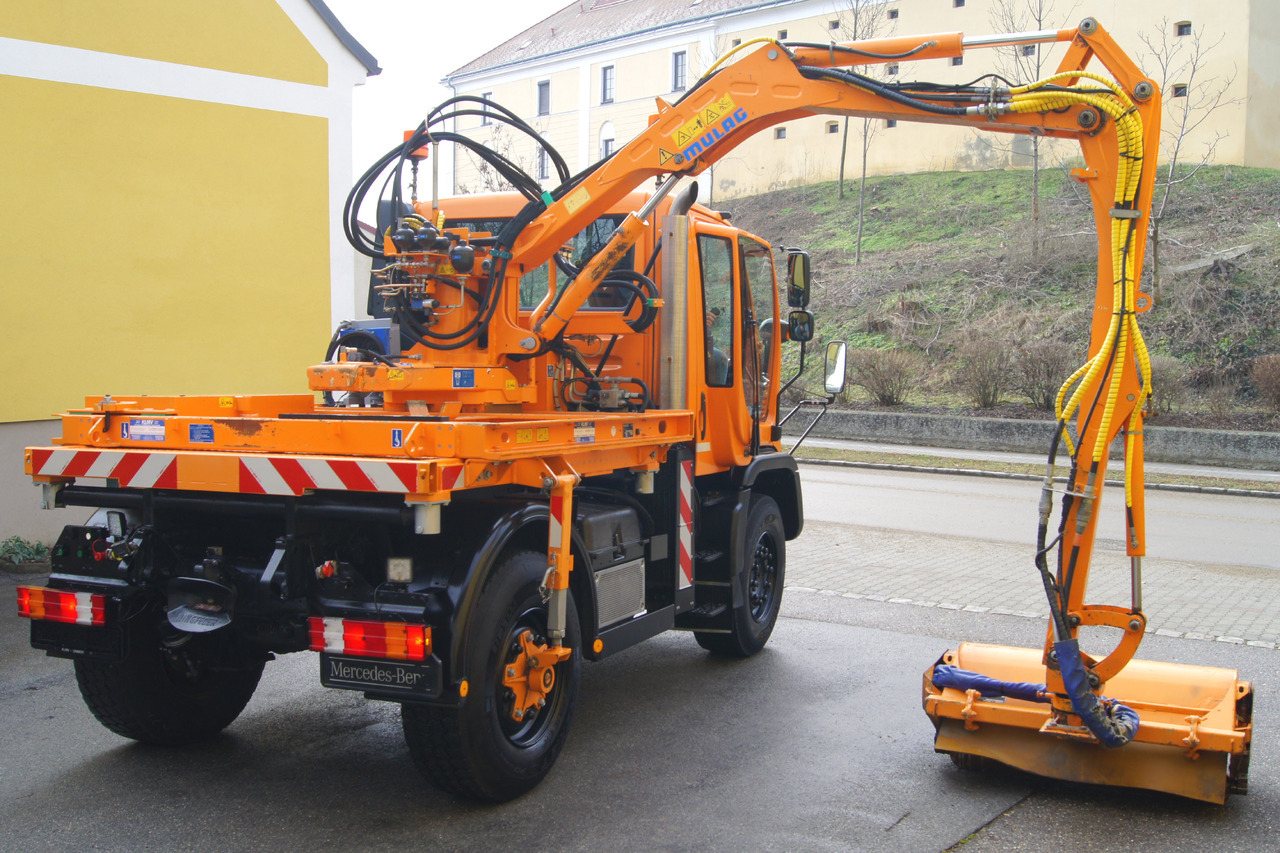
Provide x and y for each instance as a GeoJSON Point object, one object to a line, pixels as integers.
{"type": "Point", "coordinates": [503, 524]}
{"type": "Point", "coordinates": [778, 476]}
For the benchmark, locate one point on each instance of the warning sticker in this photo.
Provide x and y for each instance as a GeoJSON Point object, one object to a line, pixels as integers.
{"type": "Point", "coordinates": [663, 156]}
{"type": "Point", "coordinates": [464, 377]}
{"type": "Point", "coordinates": [544, 433]}
{"type": "Point", "coordinates": [142, 429]}
{"type": "Point", "coordinates": [524, 436]}
{"type": "Point", "coordinates": [576, 199]}
{"type": "Point", "coordinates": [584, 432]}
{"type": "Point", "coordinates": [200, 433]}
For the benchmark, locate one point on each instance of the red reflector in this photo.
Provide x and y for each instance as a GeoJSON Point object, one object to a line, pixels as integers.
{"type": "Point", "coordinates": [394, 640]}
{"type": "Point", "coordinates": [55, 605]}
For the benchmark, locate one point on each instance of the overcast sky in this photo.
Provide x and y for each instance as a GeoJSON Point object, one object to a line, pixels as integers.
{"type": "Point", "coordinates": [417, 42]}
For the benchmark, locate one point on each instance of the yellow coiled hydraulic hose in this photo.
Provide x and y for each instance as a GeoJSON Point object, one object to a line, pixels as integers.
{"type": "Point", "coordinates": [1123, 340]}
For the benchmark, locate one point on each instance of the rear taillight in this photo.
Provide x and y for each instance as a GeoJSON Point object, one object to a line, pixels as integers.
{"type": "Point", "coordinates": [55, 605]}
{"type": "Point", "coordinates": [393, 640]}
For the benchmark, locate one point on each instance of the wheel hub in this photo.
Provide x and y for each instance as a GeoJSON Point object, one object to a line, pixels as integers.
{"type": "Point", "coordinates": [530, 675]}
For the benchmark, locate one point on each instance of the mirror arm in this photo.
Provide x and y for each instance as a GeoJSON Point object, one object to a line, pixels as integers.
{"type": "Point", "coordinates": [821, 413]}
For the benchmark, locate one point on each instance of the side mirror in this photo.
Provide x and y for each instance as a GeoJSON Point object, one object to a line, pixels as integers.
{"type": "Point", "coordinates": [800, 325]}
{"type": "Point", "coordinates": [834, 370]}
{"type": "Point", "coordinates": [799, 278]}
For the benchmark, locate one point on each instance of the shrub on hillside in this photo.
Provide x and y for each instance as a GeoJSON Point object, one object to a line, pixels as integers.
{"type": "Point", "coordinates": [1265, 375]}
{"type": "Point", "coordinates": [1170, 383]}
{"type": "Point", "coordinates": [1040, 368]}
{"type": "Point", "coordinates": [984, 367]}
{"type": "Point", "coordinates": [886, 374]}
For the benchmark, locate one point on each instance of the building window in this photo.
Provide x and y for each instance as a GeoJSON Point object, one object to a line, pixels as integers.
{"type": "Point", "coordinates": [892, 69]}
{"type": "Point", "coordinates": [544, 169]}
{"type": "Point", "coordinates": [1028, 50]}
{"type": "Point", "coordinates": [1179, 90]}
{"type": "Point", "coordinates": [891, 122]}
{"type": "Point", "coordinates": [485, 118]}
{"type": "Point", "coordinates": [833, 127]}
{"type": "Point", "coordinates": [679, 71]}
{"type": "Point", "coordinates": [544, 97]}
{"type": "Point", "coordinates": [893, 14]}
{"type": "Point", "coordinates": [958, 3]}
{"type": "Point", "coordinates": [782, 34]}
{"type": "Point", "coordinates": [957, 60]}
{"type": "Point", "coordinates": [1184, 28]}
{"type": "Point", "coordinates": [735, 43]}
{"type": "Point", "coordinates": [606, 84]}
{"type": "Point", "coordinates": [779, 133]}
{"type": "Point", "coordinates": [608, 139]}
{"type": "Point", "coordinates": [833, 25]}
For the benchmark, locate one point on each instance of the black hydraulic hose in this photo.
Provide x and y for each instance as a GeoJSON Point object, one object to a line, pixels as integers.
{"type": "Point", "coordinates": [876, 87]}
{"type": "Point", "coordinates": [839, 48]}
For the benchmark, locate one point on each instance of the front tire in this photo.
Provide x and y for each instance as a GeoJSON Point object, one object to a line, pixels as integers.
{"type": "Point", "coordinates": [476, 751]}
{"type": "Point", "coordinates": [168, 694]}
{"type": "Point", "coordinates": [763, 577]}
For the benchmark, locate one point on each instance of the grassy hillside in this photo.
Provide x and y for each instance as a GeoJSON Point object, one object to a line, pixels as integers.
{"type": "Point", "coordinates": [949, 280]}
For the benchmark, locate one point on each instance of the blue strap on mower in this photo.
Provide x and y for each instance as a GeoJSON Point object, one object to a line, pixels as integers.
{"type": "Point", "coordinates": [1112, 723]}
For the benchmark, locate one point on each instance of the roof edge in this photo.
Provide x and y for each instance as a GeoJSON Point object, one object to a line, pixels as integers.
{"type": "Point", "coordinates": [358, 50]}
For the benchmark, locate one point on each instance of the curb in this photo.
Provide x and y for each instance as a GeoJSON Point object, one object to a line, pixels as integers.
{"type": "Point", "coordinates": [1006, 475]}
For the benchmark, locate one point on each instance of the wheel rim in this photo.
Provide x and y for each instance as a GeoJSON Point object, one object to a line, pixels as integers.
{"type": "Point", "coordinates": [763, 578]}
{"type": "Point", "coordinates": [537, 722]}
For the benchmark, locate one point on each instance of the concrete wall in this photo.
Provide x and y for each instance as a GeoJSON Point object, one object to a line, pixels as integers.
{"type": "Point", "coordinates": [1238, 449]}
{"type": "Point", "coordinates": [20, 513]}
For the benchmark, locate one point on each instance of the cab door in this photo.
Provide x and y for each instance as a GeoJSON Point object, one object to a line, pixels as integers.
{"type": "Point", "coordinates": [732, 393]}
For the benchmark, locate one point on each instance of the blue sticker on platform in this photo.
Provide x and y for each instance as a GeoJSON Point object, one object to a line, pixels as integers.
{"type": "Point", "coordinates": [397, 438]}
{"type": "Point", "coordinates": [143, 429]}
{"type": "Point", "coordinates": [200, 433]}
{"type": "Point", "coordinates": [464, 377]}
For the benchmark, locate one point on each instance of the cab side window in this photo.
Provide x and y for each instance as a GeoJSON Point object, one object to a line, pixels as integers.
{"type": "Point", "coordinates": [715, 259]}
{"type": "Point", "coordinates": [759, 295]}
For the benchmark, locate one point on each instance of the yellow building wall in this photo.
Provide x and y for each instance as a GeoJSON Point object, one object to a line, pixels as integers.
{"type": "Point", "coordinates": [1242, 33]}
{"type": "Point", "coordinates": [241, 36]}
{"type": "Point", "coordinates": [156, 245]}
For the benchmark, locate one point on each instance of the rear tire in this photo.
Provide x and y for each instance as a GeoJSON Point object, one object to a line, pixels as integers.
{"type": "Point", "coordinates": [476, 751]}
{"type": "Point", "coordinates": [170, 695]}
{"type": "Point", "coordinates": [763, 576]}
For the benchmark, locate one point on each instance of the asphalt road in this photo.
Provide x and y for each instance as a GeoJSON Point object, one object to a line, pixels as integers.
{"type": "Point", "coordinates": [1217, 529]}
{"type": "Point", "coordinates": [818, 743]}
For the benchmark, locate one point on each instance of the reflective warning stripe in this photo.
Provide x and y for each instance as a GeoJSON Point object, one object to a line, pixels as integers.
{"type": "Point", "coordinates": [259, 475]}
{"type": "Point", "coordinates": [132, 470]}
{"type": "Point", "coordinates": [685, 526]}
{"type": "Point", "coordinates": [557, 526]}
{"type": "Point", "coordinates": [265, 475]}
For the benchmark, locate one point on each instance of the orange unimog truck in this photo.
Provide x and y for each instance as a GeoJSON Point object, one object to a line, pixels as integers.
{"type": "Point", "coordinates": [562, 438]}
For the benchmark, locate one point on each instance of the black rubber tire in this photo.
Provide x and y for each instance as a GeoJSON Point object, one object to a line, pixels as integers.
{"type": "Point", "coordinates": [476, 751]}
{"type": "Point", "coordinates": [170, 696]}
{"type": "Point", "coordinates": [764, 577]}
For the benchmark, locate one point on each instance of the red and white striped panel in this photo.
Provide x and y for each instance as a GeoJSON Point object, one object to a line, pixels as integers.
{"type": "Point", "coordinates": [685, 527]}
{"type": "Point", "coordinates": [267, 475]}
{"type": "Point", "coordinates": [134, 470]}
{"type": "Point", "coordinates": [258, 475]}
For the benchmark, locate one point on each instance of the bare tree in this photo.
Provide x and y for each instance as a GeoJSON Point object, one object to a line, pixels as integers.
{"type": "Point", "coordinates": [1191, 97]}
{"type": "Point", "coordinates": [1026, 63]}
{"type": "Point", "coordinates": [513, 146]}
{"type": "Point", "coordinates": [859, 20]}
